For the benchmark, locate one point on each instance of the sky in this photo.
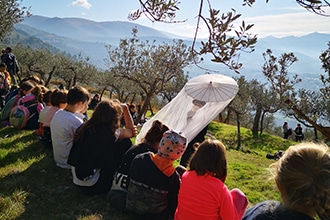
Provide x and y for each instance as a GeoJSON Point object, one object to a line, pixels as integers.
{"type": "Point", "coordinates": [277, 18]}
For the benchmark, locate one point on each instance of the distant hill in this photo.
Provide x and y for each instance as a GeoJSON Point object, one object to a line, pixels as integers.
{"type": "Point", "coordinates": [95, 50]}
{"type": "Point", "coordinates": [76, 35]}
{"type": "Point", "coordinates": [90, 31]}
{"type": "Point", "coordinates": [19, 36]}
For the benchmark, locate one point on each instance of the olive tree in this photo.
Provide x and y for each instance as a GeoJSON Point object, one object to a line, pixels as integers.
{"type": "Point", "coordinates": [50, 66]}
{"type": "Point", "coordinates": [307, 106]}
{"type": "Point", "coordinates": [240, 105]}
{"type": "Point", "coordinates": [150, 66]}
{"type": "Point", "coordinates": [263, 101]}
{"type": "Point", "coordinates": [11, 12]}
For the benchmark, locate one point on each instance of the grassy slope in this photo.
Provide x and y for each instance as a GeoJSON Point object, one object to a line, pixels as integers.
{"type": "Point", "coordinates": [32, 187]}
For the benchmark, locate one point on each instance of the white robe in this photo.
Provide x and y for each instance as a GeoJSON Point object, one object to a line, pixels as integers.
{"type": "Point", "coordinates": [181, 114]}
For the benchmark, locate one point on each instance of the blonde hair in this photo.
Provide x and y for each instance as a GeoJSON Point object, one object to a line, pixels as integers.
{"type": "Point", "coordinates": [303, 175]}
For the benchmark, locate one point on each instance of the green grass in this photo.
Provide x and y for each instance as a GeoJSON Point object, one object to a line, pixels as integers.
{"type": "Point", "coordinates": [32, 187]}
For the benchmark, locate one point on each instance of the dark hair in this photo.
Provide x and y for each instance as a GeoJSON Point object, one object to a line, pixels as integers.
{"type": "Point", "coordinates": [3, 65]}
{"type": "Point", "coordinates": [77, 94]}
{"type": "Point", "coordinates": [46, 97]}
{"type": "Point", "coordinates": [107, 113]}
{"type": "Point", "coordinates": [37, 92]}
{"type": "Point", "coordinates": [8, 49]}
{"type": "Point", "coordinates": [58, 97]}
{"type": "Point", "coordinates": [34, 79]}
{"type": "Point", "coordinates": [210, 158]}
{"type": "Point", "coordinates": [155, 133]}
{"type": "Point", "coordinates": [26, 85]}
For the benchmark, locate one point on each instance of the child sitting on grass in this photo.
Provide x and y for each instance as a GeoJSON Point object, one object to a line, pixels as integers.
{"type": "Point", "coordinates": [57, 102]}
{"type": "Point", "coordinates": [64, 124]}
{"type": "Point", "coordinates": [150, 142]}
{"type": "Point", "coordinates": [47, 105]}
{"type": "Point", "coordinates": [154, 181]}
{"type": "Point", "coordinates": [99, 147]}
{"type": "Point", "coordinates": [31, 100]}
{"type": "Point", "coordinates": [302, 176]}
{"type": "Point", "coordinates": [203, 193]}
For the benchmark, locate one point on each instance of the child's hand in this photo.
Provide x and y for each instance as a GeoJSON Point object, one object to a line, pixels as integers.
{"type": "Point", "coordinates": [124, 105]}
{"type": "Point", "coordinates": [134, 131]}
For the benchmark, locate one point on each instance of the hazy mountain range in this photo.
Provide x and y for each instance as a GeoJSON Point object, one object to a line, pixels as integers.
{"type": "Point", "coordinates": [76, 35]}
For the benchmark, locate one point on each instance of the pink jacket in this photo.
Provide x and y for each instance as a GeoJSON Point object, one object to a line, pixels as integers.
{"type": "Point", "coordinates": [204, 197]}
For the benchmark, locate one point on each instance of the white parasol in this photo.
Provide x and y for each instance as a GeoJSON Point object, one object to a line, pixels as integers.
{"type": "Point", "coordinates": [211, 88]}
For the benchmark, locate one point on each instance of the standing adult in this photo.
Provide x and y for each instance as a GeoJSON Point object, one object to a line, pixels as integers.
{"type": "Point", "coordinates": [192, 148]}
{"type": "Point", "coordinates": [132, 111]}
{"type": "Point", "coordinates": [95, 100]}
{"type": "Point", "coordinates": [299, 134]}
{"type": "Point", "coordinates": [12, 65]}
{"type": "Point", "coordinates": [3, 52]}
{"type": "Point", "coordinates": [285, 130]}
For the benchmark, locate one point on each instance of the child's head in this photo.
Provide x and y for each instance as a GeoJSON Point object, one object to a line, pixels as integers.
{"type": "Point", "coordinates": [96, 96]}
{"type": "Point", "coordinates": [34, 79]}
{"type": "Point", "coordinates": [198, 103]}
{"type": "Point", "coordinates": [26, 87]}
{"type": "Point", "coordinates": [172, 145]}
{"type": "Point", "coordinates": [37, 92]}
{"type": "Point", "coordinates": [3, 67]}
{"type": "Point", "coordinates": [131, 108]}
{"type": "Point", "coordinates": [106, 113]}
{"type": "Point", "coordinates": [155, 134]}
{"type": "Point", "coordinates": [210, 158]}
{"type": "Point", "coordinates": [58, 98]}
{"type": "Point", "coordinates": [77, 94]}
{"type": "Point", "coordinates": [46, 97]}
{"type": "Point", "coordinates": [302, 175]}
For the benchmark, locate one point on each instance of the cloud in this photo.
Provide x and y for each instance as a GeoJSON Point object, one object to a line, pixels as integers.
{"type": "Point", "coordinates": [82, 3]}
{"type": "Point", "coordinates": [281, 25]}
{"type": "Point", "coordinates": [295, 24]}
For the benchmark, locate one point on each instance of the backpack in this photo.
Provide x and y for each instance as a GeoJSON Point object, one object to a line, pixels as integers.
{"type": "Point", "coordinates": [5, 112]}
{"type": "Point", "coordinates": [11, 94]}
{"type": "Point", "coordinates": [20, 114]}
{"type": "Point", "coordinates": [289, 131]}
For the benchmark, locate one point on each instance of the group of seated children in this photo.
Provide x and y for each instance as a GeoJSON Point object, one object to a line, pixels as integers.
{"type": "Point", "coordinates": [4, 83]}
{"type": "Point", "coordinates": [29, 94]}
{"type": "Point", "coordinates": [142, 180]}
{"type": "Point", "coordinates": [145, 181]}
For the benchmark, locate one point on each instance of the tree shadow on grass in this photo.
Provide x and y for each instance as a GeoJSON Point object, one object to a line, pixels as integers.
{"type": "Point", "coordinates": [50, 191]}
{"type": "Point", "coordinates": [10, 137]}
{"type": "Point", "coordinates": [23, 153]}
